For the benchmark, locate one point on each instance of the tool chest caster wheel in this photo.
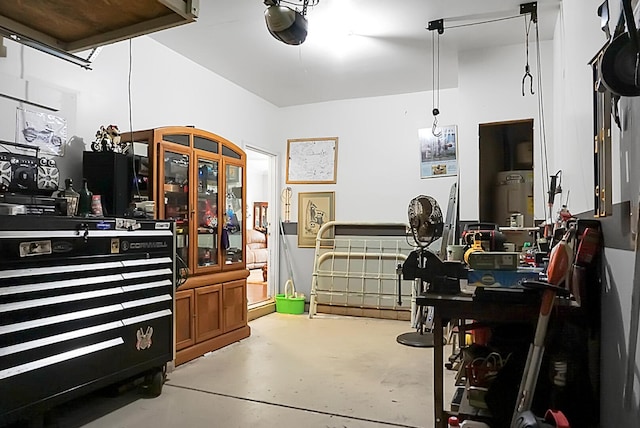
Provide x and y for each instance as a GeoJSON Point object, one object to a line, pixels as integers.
{"type": "Point", "coordinates": [155, 381]}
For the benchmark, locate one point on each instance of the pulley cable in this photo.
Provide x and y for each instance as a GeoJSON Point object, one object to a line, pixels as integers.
{"type": "Point", "coordinates": [435, 89]}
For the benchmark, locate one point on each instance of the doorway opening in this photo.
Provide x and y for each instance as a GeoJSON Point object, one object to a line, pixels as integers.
{"type": "Point", "coordinates": [506, 172]}
{"type": "Point", "coordinates": [261, 248]}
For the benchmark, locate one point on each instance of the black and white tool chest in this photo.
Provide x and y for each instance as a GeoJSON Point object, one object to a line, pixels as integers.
{"type": "Point", "coordinates": [84, 303]}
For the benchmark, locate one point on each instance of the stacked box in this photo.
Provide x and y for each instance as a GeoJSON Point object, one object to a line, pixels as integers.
{"type": "Point", "coordinates": [502, 278]}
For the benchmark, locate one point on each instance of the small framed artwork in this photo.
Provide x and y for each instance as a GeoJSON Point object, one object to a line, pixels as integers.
{"type": "Point", "coordinates": [312, 160]}
{"type": "Point", "coordinates": [438, 151]}
{"type": "Point", "coordinates": [233, 173]}
{"type": "Point", "coordinates": [314, 210]}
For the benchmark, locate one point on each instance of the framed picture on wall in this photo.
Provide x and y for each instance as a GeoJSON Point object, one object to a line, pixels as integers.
{"type": "Point", "coordinates": [438, 151]}
{"type": "Point", "coordinates": [314, 210]}
{"type": "Point", "coordinates": [46, 131]}
{"type": "Point", "coordinates": [312, 160]}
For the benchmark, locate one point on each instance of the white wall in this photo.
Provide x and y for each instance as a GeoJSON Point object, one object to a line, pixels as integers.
{"type": "Point", "coordinates": [491, 91]}
{"type": "Point", "coordinates": [166, 89]}
{"type": "Point", "coordinates": [378, 160]}
{"type": "Point", "coordinates": [378, 152]}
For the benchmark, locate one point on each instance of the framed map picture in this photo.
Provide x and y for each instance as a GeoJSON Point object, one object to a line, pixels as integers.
{"type": "Point", "coordinates": [312, 160]}
{"type": "Point", "coordinates": [438, 151]}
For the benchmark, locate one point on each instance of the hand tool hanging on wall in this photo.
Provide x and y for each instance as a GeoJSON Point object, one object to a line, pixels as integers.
{"type": "Point", "coordinates": [603, 13]}
{"type": "Point", "coordinates": [620, 65]}
{"type": "Point", "coordinates": [555, 187]}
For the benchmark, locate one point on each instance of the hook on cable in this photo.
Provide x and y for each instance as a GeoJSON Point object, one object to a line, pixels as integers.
{"type": "Point", "coordinates": [527, 69]}
{"type": "Point", "coordinates": [435, 131]}
{"type": "Point", "coordinates": [527, 73]}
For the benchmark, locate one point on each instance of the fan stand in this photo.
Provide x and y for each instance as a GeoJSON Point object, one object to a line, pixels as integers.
{"type": "Point", "coordinates": [416, 339]}
{"type": "Point", "coordinates": [419, 338]}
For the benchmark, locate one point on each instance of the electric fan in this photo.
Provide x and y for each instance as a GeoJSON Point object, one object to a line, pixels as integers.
{"type": "Point", "coordinates": [425, 220]}
{"type": "Point", "coordinates": [426, 224]}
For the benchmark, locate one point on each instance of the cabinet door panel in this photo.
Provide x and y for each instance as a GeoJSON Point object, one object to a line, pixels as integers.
{"type": "Point", "coordinates": [235, 304]}
{"type": "Point", "coordinates": [208, 312]}
{"type": "Point", "coordinates": [207, 215]}
{"type": "Point", "coordinates": [184, 319]}
{"type": "Point", "coordinates": [174, 197]}
{"type": "Point", "coordinates": [234, 216]}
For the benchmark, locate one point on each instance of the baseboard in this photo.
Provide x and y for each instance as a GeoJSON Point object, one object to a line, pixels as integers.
{"type": "Point", "coordinates": [261, 310]}
{"type": "Point", "coordinates": [213, 344]}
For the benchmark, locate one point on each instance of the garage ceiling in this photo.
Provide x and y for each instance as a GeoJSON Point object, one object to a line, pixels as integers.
{"type": "Point", "coordinates": [355, 48]}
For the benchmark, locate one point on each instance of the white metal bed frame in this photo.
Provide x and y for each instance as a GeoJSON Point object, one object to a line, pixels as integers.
{"type": "Point", "coordinates": [360, 271]}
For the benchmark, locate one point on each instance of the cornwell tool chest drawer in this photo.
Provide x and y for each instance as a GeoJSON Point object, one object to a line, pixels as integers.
{"type": "Point", "coordinates": [84, 303]}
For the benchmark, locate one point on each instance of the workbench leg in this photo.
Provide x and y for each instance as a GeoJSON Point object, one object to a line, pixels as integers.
{"type": "Point", "coordinates": [438, 376]}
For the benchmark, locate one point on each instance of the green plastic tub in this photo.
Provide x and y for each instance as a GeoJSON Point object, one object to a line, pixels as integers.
{"type": "Point", "coordinates": [289, 304]}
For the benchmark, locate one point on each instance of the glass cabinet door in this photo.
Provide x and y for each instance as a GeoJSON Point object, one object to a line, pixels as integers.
{"type": "Point", "coordinates": [207, 212]}
{"type": "Point", "coordinates": [233, 214]}
{"type": "Point", "coordinates": [176, 198]}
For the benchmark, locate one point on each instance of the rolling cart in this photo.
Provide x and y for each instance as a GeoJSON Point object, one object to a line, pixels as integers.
{"type": "Point", "coordinates": [84, 303]}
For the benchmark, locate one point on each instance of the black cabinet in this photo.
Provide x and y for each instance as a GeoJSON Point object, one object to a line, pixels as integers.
{"type": "Point", "coordinates": [109, 175]}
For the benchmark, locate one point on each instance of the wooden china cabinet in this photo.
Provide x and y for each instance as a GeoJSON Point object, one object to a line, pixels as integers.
{"type": "Point", "coordinates": [197, 179]}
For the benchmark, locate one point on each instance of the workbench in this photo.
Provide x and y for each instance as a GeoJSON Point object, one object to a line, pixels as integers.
{"type": "Point", "coordinates": [464, 307]}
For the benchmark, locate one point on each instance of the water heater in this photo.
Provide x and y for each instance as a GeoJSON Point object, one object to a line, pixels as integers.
{"type": "Point", "coordinates": [513, 194]}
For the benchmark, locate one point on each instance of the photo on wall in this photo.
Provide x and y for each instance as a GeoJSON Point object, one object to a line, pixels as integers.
{"type": "Point", "coordinates": [314, 210]}
{"type": "Point", "coordinates": [438, 151]}
{"type": "Point", "coordinates": [46, 131]}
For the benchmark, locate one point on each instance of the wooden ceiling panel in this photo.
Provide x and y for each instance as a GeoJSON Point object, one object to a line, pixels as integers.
{"type": "Point", "coordinates": [74, 25]}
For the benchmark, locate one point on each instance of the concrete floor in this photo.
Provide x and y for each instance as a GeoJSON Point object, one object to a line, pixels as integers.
{"type": "Point", "coordinates": [330, 371]}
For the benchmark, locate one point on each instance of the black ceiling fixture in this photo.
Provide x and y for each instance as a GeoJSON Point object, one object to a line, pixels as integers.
{"type": "Point", "coordinates": [286, 24]}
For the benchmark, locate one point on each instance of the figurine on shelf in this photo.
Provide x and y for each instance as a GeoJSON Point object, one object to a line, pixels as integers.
{"type": "Point", "coordinates": [209, 217]}
{"type": "Point", "coordinates": [108, 140]}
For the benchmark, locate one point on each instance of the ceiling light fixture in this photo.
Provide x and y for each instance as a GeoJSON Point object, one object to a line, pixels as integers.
{"type": "Point", "coordinates": [286, 24]}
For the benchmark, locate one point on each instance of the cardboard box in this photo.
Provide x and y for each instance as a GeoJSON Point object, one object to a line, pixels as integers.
{"type": "Point", "coordinates": [502, 278]}
{"type": "Point", "coordinates": [494, 260]}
